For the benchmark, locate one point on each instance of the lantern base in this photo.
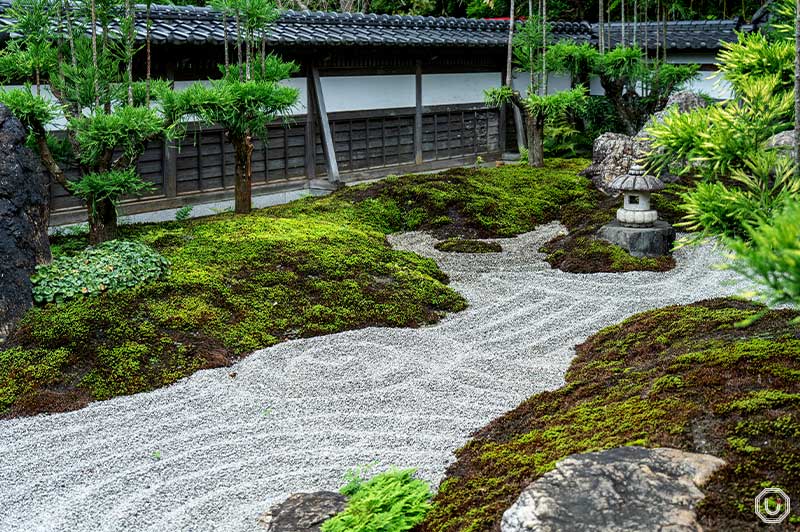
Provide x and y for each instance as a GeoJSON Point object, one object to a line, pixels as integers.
{"type": "Point", "coordinates": [652, 241]}
{"type": "Point", "coordinates": [631, 218]}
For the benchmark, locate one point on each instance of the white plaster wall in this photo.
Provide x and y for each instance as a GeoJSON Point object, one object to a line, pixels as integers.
{"type": "Point", "coordinates": [444, 89]}
{"type": "Point", "coordinates": [361, 93]}
{"type": "Point", "coordinates": [556, 82]}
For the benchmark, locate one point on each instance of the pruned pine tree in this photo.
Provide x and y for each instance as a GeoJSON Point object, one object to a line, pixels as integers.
{"type": "Point", "coordinates": [90, 76]}
{"type": "Point", "coordinates": [248, 96]}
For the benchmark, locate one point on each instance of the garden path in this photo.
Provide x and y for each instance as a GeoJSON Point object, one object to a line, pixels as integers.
{"type": "Point", "coordinates": [214, 450]}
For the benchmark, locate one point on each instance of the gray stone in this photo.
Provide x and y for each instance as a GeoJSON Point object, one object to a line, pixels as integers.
{"type": "Point", "coordinates": [782, 141]}
{"type": "Point", "coordinates": [685, 101]}
{"type": "Point", "coordinates": [624, 489]}
{"type": "Point", "coordinates": [614, 153]}
{"type": "Point", "coordinates": [303, 512]}
{"type": "Point", "coordinates": [612, 156]}
{"type": "Point", "coordinates": [640, 241]}
{"type": "Point", "coordinates": [23, 221]}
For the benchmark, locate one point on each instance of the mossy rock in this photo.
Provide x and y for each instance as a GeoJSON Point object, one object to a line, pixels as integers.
{"type": "Point", "coordinates": [459, 245]}
{"type": "Point", "coordinates": [688, 377]}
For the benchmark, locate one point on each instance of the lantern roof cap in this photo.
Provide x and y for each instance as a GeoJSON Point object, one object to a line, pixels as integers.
{"type": "Point", "coordinates": [637, 180]}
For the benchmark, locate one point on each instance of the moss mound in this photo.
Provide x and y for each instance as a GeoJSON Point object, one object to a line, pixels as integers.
{"type": "Point", "coordinates": [581, 251]}
{"type": "Point", "coordinates": [240, 283]}
{"type": "Point", "coordinates": [460, 245]}
{"type": "Point", "coordinates": [681, 376]}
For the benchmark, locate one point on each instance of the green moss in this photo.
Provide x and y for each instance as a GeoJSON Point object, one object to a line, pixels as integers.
{"type": "Point", "coordinates": [240, 283]}
{"type": "Point", "coordinates": [581, 251]}
{"type": "Point", "coordinates": [460, 245]}
{"type": "Point", "coordinates": [681, 376]}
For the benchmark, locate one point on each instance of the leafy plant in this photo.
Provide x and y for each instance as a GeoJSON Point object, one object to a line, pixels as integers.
{"type": "Point", "coordinates": [108, 187]}
{"type": "Point", "coordinates": [714, 141]}
{"type": "Point", "coordinates": [770, 255]}
{"type": "Point", "coordinates": [107, 267]}
{"type": "Point", "coordinates": [634, 85]}
{"type": "Point", "coordinates": [756, 192]}
{"type": "Point", "coordinates": [183, 214]}
{"type": "Point", "coordinates": [394, 501]}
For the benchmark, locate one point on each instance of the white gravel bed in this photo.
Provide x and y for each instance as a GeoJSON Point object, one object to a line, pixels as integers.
{"type": "Point", "coordinates": [213, 451]}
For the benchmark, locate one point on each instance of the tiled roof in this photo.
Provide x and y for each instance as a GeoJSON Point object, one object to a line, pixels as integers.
{"type": "Point", "coordinates": [201, 25]}
{"type": "Point", "coordinates": [681, 35]}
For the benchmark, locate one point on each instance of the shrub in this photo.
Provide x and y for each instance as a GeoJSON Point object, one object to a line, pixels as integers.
{"type": "Point", "coordinates": [390, 502]}
{"type": "Point", "coordinates": [772, 255]}
{"type": "Point", "coordinates": [110, 266]}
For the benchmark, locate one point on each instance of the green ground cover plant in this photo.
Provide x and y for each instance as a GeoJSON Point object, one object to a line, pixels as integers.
{"type": "Point", "coordinates": [110, 266]}
{"type": "Point", "coordinates": [393, 501]}
{"type": "Point", "coordinates": [237, 284]}
{"type": "Point", "coordinates": [682, 376]}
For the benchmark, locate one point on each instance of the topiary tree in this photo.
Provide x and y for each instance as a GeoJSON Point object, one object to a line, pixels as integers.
{"type": "Point", "coordinates": [91, 88]}
{"type": "Point", "coordinates": [247, 98]}
{"type": "Point", "coordinates": [636, 86]}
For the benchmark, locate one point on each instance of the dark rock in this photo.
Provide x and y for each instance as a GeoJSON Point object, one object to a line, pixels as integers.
{"type": "Point", "coordinates": [640, 241]}
{"type": "Point", "coordinates": [23, 220]}
{"type": "Point", "coordinates": [303, 512]}
{"type": "Point", "coordinates": [627, 488]}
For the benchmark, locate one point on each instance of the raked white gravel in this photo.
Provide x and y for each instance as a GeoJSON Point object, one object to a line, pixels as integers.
{"type": "Point", "coordinates": [213, 451]}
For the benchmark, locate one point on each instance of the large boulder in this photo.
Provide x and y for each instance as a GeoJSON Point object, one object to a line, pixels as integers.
{"type": "Point", "coordinates": [614, 153]}
{"type": "Point", "coordinates": [612, 156]}
{"type": "Point", "coordinates": [23, 220]}
{"type": "Point", "coordinates": [626, 488]}
{"type": "Point", "coordinates": [684, 101]}
{"type": "Point", "coordinates": [782, 141]}
{"type": "Point", "coordinates": [303, 512]}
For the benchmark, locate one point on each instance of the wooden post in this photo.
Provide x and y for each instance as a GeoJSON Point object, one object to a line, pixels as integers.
{"type": "Point", "coordinates": [169, 164]}
{"type": "Point", "coordinates": [325, 128]}
{"type": "Point", "coordinates": [311, 130]}
{"type": "Point", "coordinates": [169, 160]}
{"type": "Point", "coordinates": [418, 115]}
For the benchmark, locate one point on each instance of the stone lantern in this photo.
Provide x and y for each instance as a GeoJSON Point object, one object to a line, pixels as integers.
{"type": "Point", "coordinates": [636, 187]}
{"type": "Point", "coordinates": [637, 227]}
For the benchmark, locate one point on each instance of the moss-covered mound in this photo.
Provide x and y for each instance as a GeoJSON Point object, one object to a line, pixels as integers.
{"type": "Point", "coordinates": [581, 251]}
{"type": "Point", "coordinates": [461, 245]}
{"type": "Point", "coordinates": [681, 376]}
{"type": "Point", "coordinates": [240, 283]}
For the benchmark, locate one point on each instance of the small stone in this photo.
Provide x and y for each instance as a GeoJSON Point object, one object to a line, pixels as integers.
{"type": "Point", "coordinates": [627, 488]}
{"type": "Point", "coordinates": [303, 512]}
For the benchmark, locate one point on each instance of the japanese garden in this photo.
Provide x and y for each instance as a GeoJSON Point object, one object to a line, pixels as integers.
{"type": "Point", "coordinates": [382, 267]}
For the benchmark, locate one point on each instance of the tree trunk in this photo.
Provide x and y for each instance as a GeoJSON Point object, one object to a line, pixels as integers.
{"type": "Point", "coordinates": [544, 47]}
{"type": "Point", "coordinates": [94, 54]}
{"type": "Point", "coordinates": [797, 88]}
{"type": "Point", "coordinates": [243, 147]}
{"type": "Point", "coordinates": [148, 74]}
{"type": "Point", "coordinates": [536, 140]}
{"type": "Point", "coordinates": [102, 221]}
{"type": "Point", "coordinates": [602, 40]}
{"type": "Point", "coordinates": [510, 51]}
